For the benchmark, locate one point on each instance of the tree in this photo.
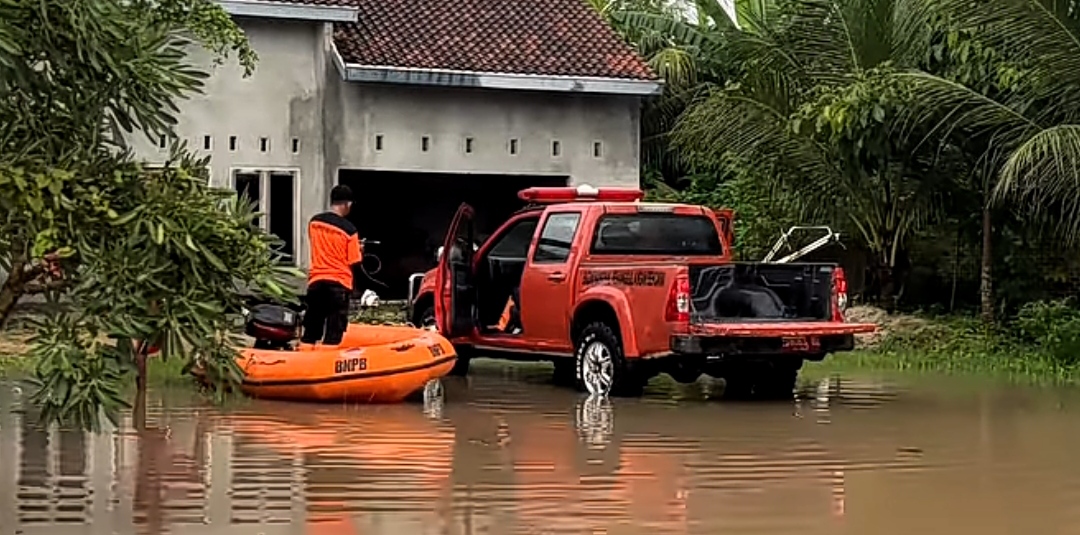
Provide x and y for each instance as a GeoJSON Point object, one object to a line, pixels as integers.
{"type": "Point", "coordinates": [812, 99]}
{"type": "Point", "coordinates": [682, 54]}
{"type": "Point", "coordinates": [1002, 87]}
{"type": "Point", "coordinates": [166, 269]}
{"type": "Point", "coordinates": [76, 76]}
{"type": "Point", "coordinates": [150, 257]}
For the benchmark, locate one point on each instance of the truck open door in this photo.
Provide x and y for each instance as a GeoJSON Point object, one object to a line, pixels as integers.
{"type": "Point", "coordinates": [454, 294]}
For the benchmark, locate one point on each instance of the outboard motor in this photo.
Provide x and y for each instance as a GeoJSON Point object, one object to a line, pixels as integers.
{"type": "Point", "coordinates": [272, 326]}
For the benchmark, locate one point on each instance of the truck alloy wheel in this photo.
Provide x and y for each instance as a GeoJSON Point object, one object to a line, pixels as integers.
{"type": "Point", "coordinates": [597, 368]}
{"type": "Point", "coordinates": [601, 369]}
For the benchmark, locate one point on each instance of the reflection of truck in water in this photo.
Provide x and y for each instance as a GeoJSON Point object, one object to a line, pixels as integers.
{"type": "Point", "coordinates": [615, 291]}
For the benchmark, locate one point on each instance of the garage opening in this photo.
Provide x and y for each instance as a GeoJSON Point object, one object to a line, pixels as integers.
{"type": "Point", "coordinates": [409, 214]}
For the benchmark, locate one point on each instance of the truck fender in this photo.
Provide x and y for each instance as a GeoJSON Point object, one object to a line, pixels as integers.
{"type": "Point", "coordinates": [618, 303]}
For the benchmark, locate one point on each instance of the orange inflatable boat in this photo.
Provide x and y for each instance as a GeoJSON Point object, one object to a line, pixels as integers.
{"type": "Point", "coordinates": [373, 363]}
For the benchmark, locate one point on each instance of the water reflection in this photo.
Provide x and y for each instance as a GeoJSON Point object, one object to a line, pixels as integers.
{"type": "Point", "coordinates": [502, 457]}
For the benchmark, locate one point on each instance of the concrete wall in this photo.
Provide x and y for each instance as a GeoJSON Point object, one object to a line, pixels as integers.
{"type": "Point", "coordinates": [281, 101]}
{"type": "Point", "coordinates": [447, 117]}
{"type": "Point", "coordinates": [297, 93]}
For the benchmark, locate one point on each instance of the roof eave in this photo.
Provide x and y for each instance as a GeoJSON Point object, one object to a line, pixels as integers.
{"type": "Point", "coordinates": [290, 10]}
{"type": "Point", "coordinates": [352, 72]}
{"type": "Point", "coordinates": [505, 81]}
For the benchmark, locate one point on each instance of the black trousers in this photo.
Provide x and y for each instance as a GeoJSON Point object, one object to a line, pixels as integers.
{"type": "Point", "coordinates": [327, 313]}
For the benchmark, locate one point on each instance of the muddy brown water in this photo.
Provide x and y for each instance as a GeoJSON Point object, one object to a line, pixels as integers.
{"type": "Point", "coordinates": [506, 453]}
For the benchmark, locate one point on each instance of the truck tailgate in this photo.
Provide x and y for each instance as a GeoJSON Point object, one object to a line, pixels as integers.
{"type": "Point", "coordinates": [766, 329]}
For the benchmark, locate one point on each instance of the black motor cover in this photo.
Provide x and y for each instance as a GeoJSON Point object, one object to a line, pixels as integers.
{"type": "Point", "coordinates": [272, 322]}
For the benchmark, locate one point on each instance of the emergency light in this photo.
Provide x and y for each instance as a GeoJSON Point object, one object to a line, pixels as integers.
{"type": "Point", "coordinates": [582, 193]}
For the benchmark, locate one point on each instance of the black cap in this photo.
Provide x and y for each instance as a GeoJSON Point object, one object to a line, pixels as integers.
{"type": "Point", "coordinates": [340, 194]}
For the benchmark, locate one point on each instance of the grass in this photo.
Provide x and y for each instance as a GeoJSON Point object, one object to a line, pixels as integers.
{"type": "Point", "coordinates": [1031, 367]}
{"type": "Point", "coordinates": [1035, 347]}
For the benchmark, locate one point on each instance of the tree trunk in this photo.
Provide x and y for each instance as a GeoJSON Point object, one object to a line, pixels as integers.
{"type": "Point", "coordinates": [12, 289]}
{"type": "Point", "coordinates": [986, 273]}
{"type": "Point", "coordinates": [140, 368]}
{"type": "Point", "coordinates": [887, 288]}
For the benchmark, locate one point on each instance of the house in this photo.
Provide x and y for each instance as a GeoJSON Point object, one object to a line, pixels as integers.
{"type": "Point", "coordinates": [417, 105]}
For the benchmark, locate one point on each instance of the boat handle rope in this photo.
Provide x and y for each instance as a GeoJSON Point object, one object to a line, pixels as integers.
{"type": "Point", "coordinates": [265, 362]}
{"type": "Point", "coordinates": [403, 347]}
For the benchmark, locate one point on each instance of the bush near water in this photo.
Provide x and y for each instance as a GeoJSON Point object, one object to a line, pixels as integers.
{"type": "Point", "coordinates": [1041, 343]}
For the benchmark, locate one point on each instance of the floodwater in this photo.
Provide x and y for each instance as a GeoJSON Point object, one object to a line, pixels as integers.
{"type": "Point", "coordinates": [506, 453]}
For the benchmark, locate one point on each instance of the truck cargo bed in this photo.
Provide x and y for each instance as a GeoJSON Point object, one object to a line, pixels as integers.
{"type": "Point", "coordinates": [754, 293]}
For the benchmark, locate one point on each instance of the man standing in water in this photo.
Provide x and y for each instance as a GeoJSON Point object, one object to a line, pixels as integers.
{"type": "Point", "coordinates": [335, 248]}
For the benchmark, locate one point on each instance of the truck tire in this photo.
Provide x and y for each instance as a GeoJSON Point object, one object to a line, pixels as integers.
{"type": "Point", "coordinates": [776, 384]}
{"type": "Point", "coordinates": [461, 365]}
{"type": "Point", "coordinates": [766, 384]}
{"type": "Point", "coordinates": [424, 318]}
{"type": "Point", "coordinates": [600, 367]}
{"type": "Point", "coordinates": [738, 386]}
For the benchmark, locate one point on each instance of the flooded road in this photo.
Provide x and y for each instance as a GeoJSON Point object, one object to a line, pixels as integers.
{"type": "Point", "coordinates": [509, 454]}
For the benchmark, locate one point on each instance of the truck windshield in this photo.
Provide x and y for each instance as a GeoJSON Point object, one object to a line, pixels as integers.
{"type": "Point", "coordinates": [656, 234]}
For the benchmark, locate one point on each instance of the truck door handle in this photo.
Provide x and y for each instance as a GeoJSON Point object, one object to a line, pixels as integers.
{"type": "Point", "coordinates": [557, 277]}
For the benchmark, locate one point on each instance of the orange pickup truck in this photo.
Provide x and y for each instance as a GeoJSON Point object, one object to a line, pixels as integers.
{"type": "Point", "coordinates": [614, 291]}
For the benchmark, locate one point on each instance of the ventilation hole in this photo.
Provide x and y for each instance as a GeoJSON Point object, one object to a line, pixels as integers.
{"type": "Point", "coordinates": [264, 144]}
{"type": "Point", "coordinates": [295, 145]}
{"type": "Point", "coordinates": [513, 146]}
{"type": "Point", "coordinates": [161, 141]}
{"type": "Point", "coordinates": [425, 143]}
{"type": "Point", "coordinates": [232, 143]}
{"type": "Point", "coordinates": [206, 142]}
{"type": "Point", "coordinates": [556, 148]}
{"type": "Point", "coordinates": [468, 145]}
{"type": "Point", "coordinates": [378, 142]}
{"type": "Point", "coordinates": [597, 149]}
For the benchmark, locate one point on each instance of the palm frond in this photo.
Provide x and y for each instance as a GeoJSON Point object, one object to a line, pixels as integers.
{"type": "Point", "coordinates": [1042, 176]}
{"type": "Point", "coordinates": [677, 66]}
{"type": "Point", "coordinates": [726, 124]}
{"type": "Point", "coordinates": [946, 110]}
{"type": "Point", "coordinates": [1042, 35]}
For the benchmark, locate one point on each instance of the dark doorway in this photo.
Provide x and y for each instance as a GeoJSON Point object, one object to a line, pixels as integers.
{"type": "Point", "coordinates": [247, 186]}
{"type": "Point", "coordinates": [282, 221]}
{"type": "Point", "coordinates": [409, 213]}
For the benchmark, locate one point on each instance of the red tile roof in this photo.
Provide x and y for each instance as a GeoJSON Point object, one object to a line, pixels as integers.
{"type": "Point", "coordinates": [544, 37]}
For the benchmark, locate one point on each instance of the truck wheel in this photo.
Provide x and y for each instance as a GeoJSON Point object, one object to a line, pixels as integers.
{"type": "Point", "coordinates": [776, 384]}
{"type": "Point", "coordinates": [738, 386]}
{"type": "Point", "coordinates": [461, 365]}
{"type": "Point", "coordinates": [424, 317]}
{"type": "Point", "coordinates": [601, 368]}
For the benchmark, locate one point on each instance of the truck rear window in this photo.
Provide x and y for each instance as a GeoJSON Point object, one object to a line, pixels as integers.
{"type": "Point", "coordinates": [656, 234]}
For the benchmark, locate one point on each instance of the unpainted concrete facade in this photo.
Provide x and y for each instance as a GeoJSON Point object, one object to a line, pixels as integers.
{"type": "Point", "coordinates": [297, 114]}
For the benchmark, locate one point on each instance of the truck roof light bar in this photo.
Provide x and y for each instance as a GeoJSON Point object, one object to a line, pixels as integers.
{"type": "Point", "coordinates": [582, 193]}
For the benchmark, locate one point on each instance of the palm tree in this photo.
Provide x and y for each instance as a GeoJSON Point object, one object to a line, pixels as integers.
{"type": "Point", "coordinates": [812, 96]}
{"type": "Point", "coordinates": [1019, 116]}
{"type": "Point", "coordinates": [683, 53]}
